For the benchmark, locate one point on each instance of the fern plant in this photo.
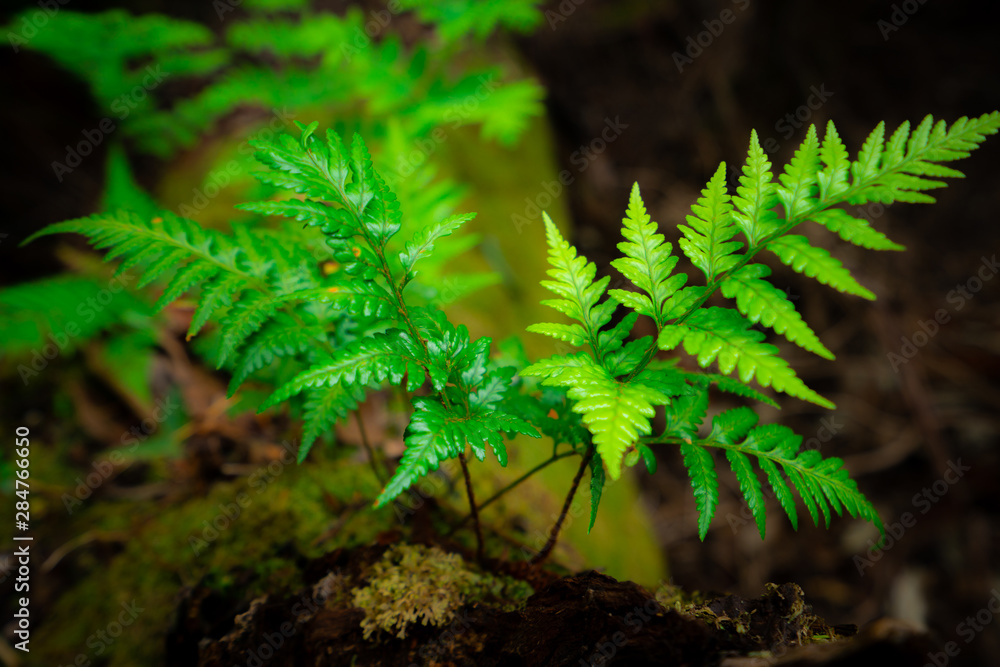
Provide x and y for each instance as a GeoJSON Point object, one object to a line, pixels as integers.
{"type": "Point", "coordinates": [357, 321]}
{"type": "Point", "coordinates": [286, 56]}
{"type": "Point", "coordinates": [617, 386]}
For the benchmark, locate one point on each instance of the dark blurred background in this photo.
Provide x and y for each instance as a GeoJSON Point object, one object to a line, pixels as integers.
{"type": "Point", "coordinates": [899, 425]}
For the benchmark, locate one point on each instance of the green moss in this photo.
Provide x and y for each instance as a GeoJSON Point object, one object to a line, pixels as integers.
{"type": "Point", "coordinates": [414, 583]}
{"type": "Point", "coordinates": [201, 542]}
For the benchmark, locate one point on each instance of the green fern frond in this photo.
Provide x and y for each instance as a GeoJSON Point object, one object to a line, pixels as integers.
{"type": "Point", "coordinates": [382, 357]}
{"type": "Point", "coordinates": [573, 280]}
{"type": "Point", "coordinates": [423, 245]}
{"type": "Point", "coordinates": [324, 407]}
{"type": "Point", "coordinates": [760, 301]}
{"type": "Point", "coordinates": [436, 433]}
{"type": "Point", "coordinates": [795, 251]}
{"type": "Point", "coordinates": [245, 318]}
{"type": "Point", "coordinates": [707, 236]}
{"type": "Point", "coordinates": [896, 170]}
{"type": "Point", "coordinates": [615, 412]}
{"type": "Point", "coordinates": [756, 196]}
{"type": "Point", "coordinates": [730, 385]}
{"type": "Point", "coordinates": [822, 484]}
{"type": "Point", "coordinates": [458, 18]}
{"type": "Point", "coordinates": [832, 180]}
{"type": "Point", "coordinates": [168, 244]}
{"type": "Point", "coordinates": [280, 338]}
{"type": "Point", "coordinates": [216, 295]}
{"type": "Point", "coordinates": [684, 416]}
{"type": "Point", "coordinates": [431, 437]}
{"type": "Point", "coordinates": [647, 262]}
{"type": "Point", "coordinates": [854, 230]}
{"type": "Point", "coordinates": [721, 334]}
{"type": "Point", "coordinates": [799, 179]}
{"type": "Point", "coordinates": [704, 481]}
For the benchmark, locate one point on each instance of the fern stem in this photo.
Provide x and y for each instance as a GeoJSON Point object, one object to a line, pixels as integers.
{"type": "Point", "coordinates": [554, 535]}
{"type": "Point", "coordinates": [510, 487]}
{"type": "Point", "coordinates": [369, 449]}
{"type": "Point", "coordinates": [472, 507]}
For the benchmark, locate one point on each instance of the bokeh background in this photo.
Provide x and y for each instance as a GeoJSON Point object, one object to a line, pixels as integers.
{"type": "Point", "coordinates": [900, 424]}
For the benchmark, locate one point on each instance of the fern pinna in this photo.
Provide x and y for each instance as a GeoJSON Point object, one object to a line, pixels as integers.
{"type": "Point", "coordinates": [617, 386]}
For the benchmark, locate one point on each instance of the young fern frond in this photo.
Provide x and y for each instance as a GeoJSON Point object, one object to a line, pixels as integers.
{"type": "Point", "coordinates": [402, 344]}
{"type": "Point", "coordinates": [647, 263]}
{"type": "Point", "coordinates": [617, 410]}
{"type": "Point", "coordinates": [708, 240]}
{"type": "Point", "coordinates": [573, 280]}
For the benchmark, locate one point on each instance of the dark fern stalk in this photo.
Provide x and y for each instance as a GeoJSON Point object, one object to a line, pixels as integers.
{"type": "Point", "coordinates": [554, 534]}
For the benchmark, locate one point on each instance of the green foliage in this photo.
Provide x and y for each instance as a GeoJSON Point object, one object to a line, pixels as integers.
{"type": "Point", "coordinates": [288, 58]}
{"type": "Point", "coordinates": [618, 387]}
{"type": "Point", "coordinates": [402, 344]}
{"type": "Point", "coordinates": [65, 311]}
{"type": "Point", "coordinates": [345, 330]}
{"type": "Point", "coordinates": [458, 18]}
{"type": "Point", "coordinates": [166, 83]}
{"type": "Point", "coordinates": [330, 322]}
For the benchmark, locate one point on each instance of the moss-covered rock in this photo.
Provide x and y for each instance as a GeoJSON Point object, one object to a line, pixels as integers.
{"type": "Point", "coordinates": [244, 538]}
